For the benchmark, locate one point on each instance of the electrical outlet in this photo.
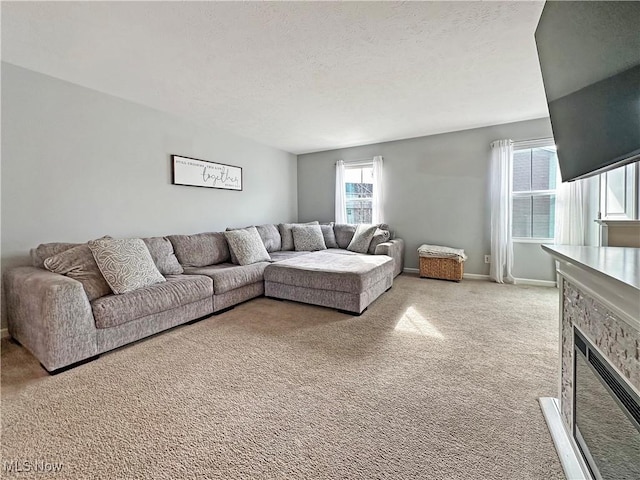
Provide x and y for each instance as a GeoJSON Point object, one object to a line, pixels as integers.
{"type": "Point", "coordinates": [487, 259]}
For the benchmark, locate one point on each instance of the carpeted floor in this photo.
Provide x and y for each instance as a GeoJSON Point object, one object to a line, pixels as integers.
{"type": "Point", "coordinates": [436, 380]}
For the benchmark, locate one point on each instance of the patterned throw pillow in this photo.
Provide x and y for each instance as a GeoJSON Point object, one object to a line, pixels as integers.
{"type": "Point", "coordinates": [78, 263]}
{"type": "Point", "coordinates": [362, 238]}
{"type": "Point", "coordinates": [379, 237]}
{"type": "Point", "coordinates": [247, 246]}
{"type": "Point", "coordinates": [329, 236]}
{"type": "Point", "coordinates": [308, 238]}
{"type": "Point", "coordinates": [125, 263]}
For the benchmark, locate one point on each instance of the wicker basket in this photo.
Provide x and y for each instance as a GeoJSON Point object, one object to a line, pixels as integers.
{"type": "Point", "coordinates": [441, 268]}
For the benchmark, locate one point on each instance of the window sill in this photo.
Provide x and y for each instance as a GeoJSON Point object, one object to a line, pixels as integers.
{"type": "Point", "coordinates": [533, 240]}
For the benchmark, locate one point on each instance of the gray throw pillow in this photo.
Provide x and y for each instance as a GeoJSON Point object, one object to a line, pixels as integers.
{"type": "Point", "coordinates": [286, 234]}
{"type": "Point", "coordinates": [78, 263]}
{"type": "Point", "coordinates": [247, 246]}
{"type": "Point", "coordinates": [163, 255]}
{"type": "Point", "coordinates": [329, 236]}
{"type": "Point", "coordinates": [125, 263]}
{"type": "Point", "coordinates": [362, 238]}
{"type": "Point", "coordinates": [308, 238]}
{"type": "Point", "coordinates": [379, 237]}
{"type": "Point", "coordinates": [46, 250]}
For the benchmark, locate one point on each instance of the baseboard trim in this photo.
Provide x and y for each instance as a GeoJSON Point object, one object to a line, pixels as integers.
{"type": "Point", "coordinates": [4, 333]}
{"type": "Point", "coordinates": [470, 276]}
{"type": "Point", "coordinates": [572, 463]}
{"type": "Point", "coordinates": [535, 283]}
{"type": "Point", "coordinates": [476, 276]}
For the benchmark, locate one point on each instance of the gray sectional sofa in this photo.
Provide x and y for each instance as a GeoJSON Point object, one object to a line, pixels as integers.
{"type": "Point", "coordinates": [55, 318]}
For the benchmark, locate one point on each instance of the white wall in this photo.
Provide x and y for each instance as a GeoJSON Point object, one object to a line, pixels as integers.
{"type": "Point", "coordinates": [436, 191]}
{"type": "Point", "coordinates": [78, 164]}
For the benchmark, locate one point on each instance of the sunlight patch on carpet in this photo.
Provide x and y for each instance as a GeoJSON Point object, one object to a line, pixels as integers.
{"type": "Point", "coordinates": [413, 321]}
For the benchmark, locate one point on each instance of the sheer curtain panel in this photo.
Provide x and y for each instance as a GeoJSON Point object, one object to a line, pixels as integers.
{"type": "Point", "coordinates": [501, 205]}
{"type": "Point", "coordinates": [341, 195]}
{"type": "Point", "coordinates": [570, 221]}
{"type": "Point", "coordinates": [377, 215]}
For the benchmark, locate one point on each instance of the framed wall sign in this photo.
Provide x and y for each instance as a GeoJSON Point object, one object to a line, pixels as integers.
{"type": "Point", "coordinates": [202, 173]}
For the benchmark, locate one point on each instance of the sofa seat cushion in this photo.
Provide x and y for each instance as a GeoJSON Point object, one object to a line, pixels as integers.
{"type": "Point", "coordinates": [228, 276]}
{"type": "Point", "coordinates": [286, 254]}
{"type": "Point", "coordinates": [327, 271]}
{"type": "Point", "coordinates": [178, 290]}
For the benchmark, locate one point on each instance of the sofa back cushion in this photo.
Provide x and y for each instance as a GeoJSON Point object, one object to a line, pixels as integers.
{"type": "Point", "coordinates": [286, 233]}
{"type": "Point", "coordinates": [201, 249]}
{"type": "Point", "coordinates": [270, 236]}
{"type": "Point", "coordinates": [163, 255]}
{"type": "Point", "coordinates": [344, 233]}
{"type": "Point", "coordinates": [78, 263]}
{"type": "Point", "coordinates": [329, 235]}
{"type": "Point", "coordinates": [46, 250]}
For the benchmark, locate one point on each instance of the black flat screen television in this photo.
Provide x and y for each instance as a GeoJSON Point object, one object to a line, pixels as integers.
{"type": "Point", "coordinates": [589, 55]}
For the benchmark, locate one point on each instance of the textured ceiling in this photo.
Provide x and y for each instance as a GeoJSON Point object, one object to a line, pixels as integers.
{"type": "Point", "coordinates": [298, 76]}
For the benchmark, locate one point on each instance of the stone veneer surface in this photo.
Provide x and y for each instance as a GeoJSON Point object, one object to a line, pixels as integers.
{"type": "Point", "coordinates": [617, 340]}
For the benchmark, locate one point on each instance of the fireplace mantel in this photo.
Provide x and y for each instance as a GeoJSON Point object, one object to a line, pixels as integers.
{"type": "Point", "coordinates": [600, 297]}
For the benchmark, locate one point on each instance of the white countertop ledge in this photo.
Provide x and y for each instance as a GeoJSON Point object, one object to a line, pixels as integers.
{"type": "Point", "coordinates": [621, 264]}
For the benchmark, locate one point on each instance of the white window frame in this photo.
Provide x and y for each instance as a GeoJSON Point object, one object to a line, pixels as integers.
{"type": "Point", "coordinates": [631, 200]}
{"type": "Point", "coordinates": [528, 145]}
{"type": "Point", "coordinates": [357, 166]}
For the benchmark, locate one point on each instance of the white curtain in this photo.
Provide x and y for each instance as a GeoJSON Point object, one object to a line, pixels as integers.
{"type": "Point", "coordinates": [501, 205]}
{"type": "Point", "coordinates": [341, 195]}
{"type": "Point", "coordinates": [570, 221]}
{"type": "Point", "coordinates": [377, 215]}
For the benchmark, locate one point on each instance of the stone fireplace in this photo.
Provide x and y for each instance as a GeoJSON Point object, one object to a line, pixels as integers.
{"type": "Point", "coordinates": [595, 423]}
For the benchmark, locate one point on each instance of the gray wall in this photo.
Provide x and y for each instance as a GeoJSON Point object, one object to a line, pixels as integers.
{"type": "Point", "coordinates": [78, 164]}
{"type": "Point", "coordinates": [436, 191]}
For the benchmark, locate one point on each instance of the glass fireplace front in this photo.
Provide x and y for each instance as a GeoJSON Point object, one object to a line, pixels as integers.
{"type": "Point", "coordinates": [606, 416]}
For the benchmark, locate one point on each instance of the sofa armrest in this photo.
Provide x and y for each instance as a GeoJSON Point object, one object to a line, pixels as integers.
{"type": "Point", "coordinates": [394, 249]}
{"type": "Point", "coordinates": [50, 315]}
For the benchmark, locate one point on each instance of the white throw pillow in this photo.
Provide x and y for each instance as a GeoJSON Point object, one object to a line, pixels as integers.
{"type": "Point", "coordinates": [247, 246]}
{"type": "Point", "coordinates": [125, 263]}
{"type": "Point", "coordinates": [362, 238]}
{"type": "Point", "coordinates": [308, 238]}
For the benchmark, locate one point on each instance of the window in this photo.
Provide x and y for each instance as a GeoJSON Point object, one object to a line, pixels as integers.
{"type": "Point", "coordinates": [618, 193]}
{"type": "Point", "coordinates": [359, 188]}
{"type": "Point", "coordinates": [535, 179]}
{"type": "Point", "coordinates": [359, 193]}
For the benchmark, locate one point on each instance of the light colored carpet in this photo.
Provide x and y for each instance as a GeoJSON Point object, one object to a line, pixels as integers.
{"type": "Point", "coordinates": [436, 380]}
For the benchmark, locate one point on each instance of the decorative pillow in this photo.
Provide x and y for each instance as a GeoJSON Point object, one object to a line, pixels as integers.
{"type": "Point", "coordinates": [78, 263]}
{"type": "Point", "coordinates": [308, 238]}
{"type": "Point", "coordinates": [201, 249]}
{"type": "Point", "coordinates": [362, 238]}
{"type": "Point", "coordinates": [163, 255]}
{"type": "Point", "coordinates": [286, 234]}
{"type": "Point", "coordinates": [46, 250]}
{"type": "Point", "coordinates": [125, 263]}
{"type": "Point", "coordinates": [379, 237]}
{"type": "Point", "coordinates": [247, 246]}
{"type": "Point", "coordinates": [329, 236]}
{"type": "Point", "coordinates": [344, 233]}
